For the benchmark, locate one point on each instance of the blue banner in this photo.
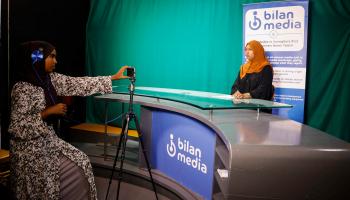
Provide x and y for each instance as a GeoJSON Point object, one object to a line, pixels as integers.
{"type": "Point", "coordinates": [281, 27]}
{"type": "Point", "coordinates": [184, 149]}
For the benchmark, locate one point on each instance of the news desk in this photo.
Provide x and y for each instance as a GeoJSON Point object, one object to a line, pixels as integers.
{"type": "Point", "coordinates": [220, 148]}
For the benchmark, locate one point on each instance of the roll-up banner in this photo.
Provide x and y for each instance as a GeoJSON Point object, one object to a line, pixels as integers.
{"type": "Point", "coordinates": [281, 27]}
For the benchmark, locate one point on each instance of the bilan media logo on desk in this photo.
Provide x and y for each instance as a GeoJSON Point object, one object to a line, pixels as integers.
{"type": "Point", "coordinates": [277, 28]}
{"type": "Point", "coordinates": [186, 153]}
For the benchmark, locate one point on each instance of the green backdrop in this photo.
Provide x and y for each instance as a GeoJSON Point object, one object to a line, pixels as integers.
{"type": "Point", "coordinates": [197, 45]}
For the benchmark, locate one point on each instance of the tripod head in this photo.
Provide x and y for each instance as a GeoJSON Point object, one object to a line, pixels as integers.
{"type": "Point", "coordinates": [132, 84]}
{"type": "Point", "coordinates": [131, 72]}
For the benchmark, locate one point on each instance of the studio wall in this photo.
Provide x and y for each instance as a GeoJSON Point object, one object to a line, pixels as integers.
{"type": "Point", "coordinates": [62, 23]}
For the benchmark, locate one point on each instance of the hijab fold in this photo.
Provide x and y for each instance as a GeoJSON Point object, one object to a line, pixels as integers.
{"type": "Point", "coordinates": [259, 61]}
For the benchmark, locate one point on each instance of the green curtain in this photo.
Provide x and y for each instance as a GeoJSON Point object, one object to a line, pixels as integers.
{"type": "Point", "coordinates": [328, 96]}
{"type": "Point", "coordinates": [197, 45]}
{"type": "Point", "coordinates": [183, 44]}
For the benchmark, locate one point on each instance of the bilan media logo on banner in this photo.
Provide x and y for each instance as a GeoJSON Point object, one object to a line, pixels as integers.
{"type": "Point", "coordinates": [281, 27]}
{"type": "Point", "coordinates": [278, 29]}
{"type": "Point", "coordinates": [184, 152]}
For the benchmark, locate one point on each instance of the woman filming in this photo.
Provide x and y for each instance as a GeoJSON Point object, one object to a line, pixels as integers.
{"type": "Point", "coordinates": [44, 166]}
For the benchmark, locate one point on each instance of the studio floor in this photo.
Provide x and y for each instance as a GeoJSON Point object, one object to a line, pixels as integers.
{"type": "Point", "coordinates": [130, 187]}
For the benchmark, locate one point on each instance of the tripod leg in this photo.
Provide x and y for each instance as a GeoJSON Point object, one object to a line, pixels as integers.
{"type": "Point", "coordinates": [105, 135]}
{"type": "Point", "coordinates": [144, 154]}
{"type": "Point", "coordinates": [122, 156]}
{"type": "Point", "coordinates": [121, 138]}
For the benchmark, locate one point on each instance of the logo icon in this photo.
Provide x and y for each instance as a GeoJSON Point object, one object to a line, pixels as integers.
{"type": "Point", "coordinates": [171, 149]}
{"type": "Point", "coordinates": [256, 23]}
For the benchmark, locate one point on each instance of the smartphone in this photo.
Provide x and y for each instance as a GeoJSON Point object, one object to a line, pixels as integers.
{"type": "Point", "coordinates": [130, 71]}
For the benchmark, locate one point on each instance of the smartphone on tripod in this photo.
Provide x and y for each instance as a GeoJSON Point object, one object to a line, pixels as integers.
{"type": "Point", "coordinates": [130, 72]}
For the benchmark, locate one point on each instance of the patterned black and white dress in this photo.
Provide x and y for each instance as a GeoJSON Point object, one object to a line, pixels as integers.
{"type": "Point", "coordinates": [35, 150]}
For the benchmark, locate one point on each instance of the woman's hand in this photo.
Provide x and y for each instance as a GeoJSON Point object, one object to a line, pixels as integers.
{"type": "Point", "coordinates": [58, 109]}
{"type": "Point", "coordinates": [119, 74]}
{"type": "Point", "coordinates": [246, 95]}
{"type": "Point", "coordinates": [238, 95]}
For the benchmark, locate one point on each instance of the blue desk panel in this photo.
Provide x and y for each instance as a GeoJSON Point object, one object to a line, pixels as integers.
{"type": "Point", "coordinates": [183, 148]}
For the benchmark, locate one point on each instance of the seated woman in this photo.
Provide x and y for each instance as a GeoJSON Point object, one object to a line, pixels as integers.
{"type": "Point", "coordinates": [254, 79]}
{"type": "Point", "coordinates": [44, 166]}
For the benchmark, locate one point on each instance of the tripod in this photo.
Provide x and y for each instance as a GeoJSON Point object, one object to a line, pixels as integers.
{"type": "Point", "coordinates": [127, 118]}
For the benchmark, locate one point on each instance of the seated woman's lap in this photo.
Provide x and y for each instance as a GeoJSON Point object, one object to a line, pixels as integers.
{"type": "Point", "coordinates": [73, 184]}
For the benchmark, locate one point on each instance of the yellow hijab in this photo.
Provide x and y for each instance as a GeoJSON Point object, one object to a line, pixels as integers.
{"type": "Point", "coordinates": [259, 61]}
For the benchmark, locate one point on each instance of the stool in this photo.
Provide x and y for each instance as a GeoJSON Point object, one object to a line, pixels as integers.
{"type": "Point", "coordinates": [4, 167]}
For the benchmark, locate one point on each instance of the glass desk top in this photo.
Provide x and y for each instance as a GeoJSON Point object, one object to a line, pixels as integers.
{"type": "Point", "coordinates": [199, 99]}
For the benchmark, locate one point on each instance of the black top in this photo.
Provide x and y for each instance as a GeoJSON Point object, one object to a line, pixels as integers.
{"type": "Point", "coordinates": [259, 85]}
